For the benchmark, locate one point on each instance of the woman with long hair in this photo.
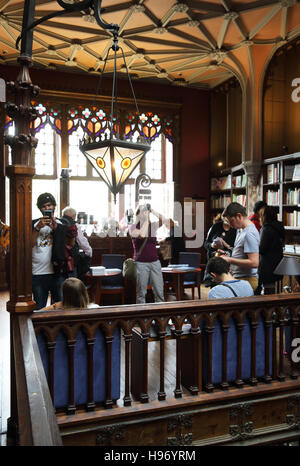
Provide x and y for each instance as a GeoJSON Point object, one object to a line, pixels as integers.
{"type": "Point", "coordinates": [75, 296]}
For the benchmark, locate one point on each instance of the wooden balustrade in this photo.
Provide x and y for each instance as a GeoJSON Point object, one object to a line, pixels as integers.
{"type": "Point", "coordinates": [264, 318]}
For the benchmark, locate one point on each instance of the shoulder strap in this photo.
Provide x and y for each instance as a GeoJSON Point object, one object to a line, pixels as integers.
{"type": "Point", "coordinates": [227, 286]}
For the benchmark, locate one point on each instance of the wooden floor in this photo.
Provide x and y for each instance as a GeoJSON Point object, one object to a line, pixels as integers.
{"type": "Point", "coordinates": [5, 362]}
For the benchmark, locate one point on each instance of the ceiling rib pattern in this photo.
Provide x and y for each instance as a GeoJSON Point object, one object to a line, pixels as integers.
{"type": "Point", "coordinates": [187, 43]}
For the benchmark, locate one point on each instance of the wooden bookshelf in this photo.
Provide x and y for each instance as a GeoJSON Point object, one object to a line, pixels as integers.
{"type": "Point", "coordinates": [229, 185]}
{"type": "Point", "coordinates": [281, 189]}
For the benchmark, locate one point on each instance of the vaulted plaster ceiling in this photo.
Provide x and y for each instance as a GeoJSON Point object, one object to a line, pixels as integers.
{"type": "Point", "coordinates": [190, 43]}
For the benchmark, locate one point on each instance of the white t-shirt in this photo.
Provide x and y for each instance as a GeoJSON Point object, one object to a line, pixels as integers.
{"type": "Point", "coordinates": [42, 251]}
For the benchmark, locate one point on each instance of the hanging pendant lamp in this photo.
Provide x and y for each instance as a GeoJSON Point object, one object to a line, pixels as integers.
{"type": "Point", "coordinates": [114, 158]}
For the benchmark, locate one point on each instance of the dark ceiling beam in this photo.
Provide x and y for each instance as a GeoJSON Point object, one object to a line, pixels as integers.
{"type": "Point", "coordinates": [252, 6]}
{"type": "Point", "coordinates": [71, 27]}
{"type": "Point", "coordinates": [134, 31]}
{"type": "Point", "coordinates": [188, 37]}
{"type": "Point", "coordinates": [118, 7]}
{"type": "Point", "coordinates": [241, 28]}
{"type": "Point", "coordinates": [154, 20]}
{"type": "Point", "coordinates": [173, 52]}
{"type": "Point", "coordinates": [20, 6]}
{"type": "Point", "coordinates": [164, 42]}
{"type": "Point", "coordinates": [206, 6]}
{"type": "Point", "coordinates": [207, 35]}
{"type": "Point", "coordinates": [41, 13]}
{"type": "Point", "coordinates": [46, 32]}
{"type": "Point", "coordinates": [238, 8]}
{"type": "Point", "coordinates": [180, 57]}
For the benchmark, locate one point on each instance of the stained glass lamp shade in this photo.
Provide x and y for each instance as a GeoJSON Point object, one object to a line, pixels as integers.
{"type": "Point", "coordinates": [114, 159]}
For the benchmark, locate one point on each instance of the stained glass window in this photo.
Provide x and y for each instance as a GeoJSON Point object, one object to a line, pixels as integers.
{"type": "Point", "coordinates": [85, 185]}
{"type": "Point", "coordinates": [154, 160]}
{"type": "Point", "coordinates": [77, 161]}
{"type": "Point", "coordinates": [45, 152]}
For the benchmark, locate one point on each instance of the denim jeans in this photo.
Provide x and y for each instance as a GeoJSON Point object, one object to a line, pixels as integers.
{"type": "Point", "coordinates": [42, 285]}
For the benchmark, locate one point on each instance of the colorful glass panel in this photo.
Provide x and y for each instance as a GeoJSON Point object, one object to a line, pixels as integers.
{"type": "Point", "coordinates": [150, 124]}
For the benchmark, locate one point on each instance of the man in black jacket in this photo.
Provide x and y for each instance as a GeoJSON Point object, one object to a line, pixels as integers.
{"type": "Point", "coordinates": [272, 236]}
{"type": "Point", "coordinates": [47, 232]}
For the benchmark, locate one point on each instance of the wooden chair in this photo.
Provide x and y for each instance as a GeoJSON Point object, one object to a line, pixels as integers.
{"type": "Point", "coordinates": [112, 285]}
{"type": "Point", "coordinates": [191, 280]}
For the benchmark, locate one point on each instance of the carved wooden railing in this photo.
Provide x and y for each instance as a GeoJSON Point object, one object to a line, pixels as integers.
{"type": "Point", "coordinates": [270, 315]}
{"type": "Point", "coordinates": [33, 420]}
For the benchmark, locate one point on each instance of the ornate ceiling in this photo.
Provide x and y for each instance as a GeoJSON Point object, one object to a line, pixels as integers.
{"type": "Point", "coordinates": [190, 43]}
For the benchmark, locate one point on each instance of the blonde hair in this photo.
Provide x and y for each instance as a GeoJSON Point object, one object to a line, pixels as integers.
{"type": "Point", "coordinates": [74, 293]}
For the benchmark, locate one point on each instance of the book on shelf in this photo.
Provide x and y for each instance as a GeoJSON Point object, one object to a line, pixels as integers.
{"type": "Point", "coordinates": [296, 173]}
{"type": "Point", "coordinates": [239, 181]}
{"type": "Point", "coordinates": [220, 202]}
{"type": "Point", "coordinates": [227, 182]}
{"type": "Point", "coordinates": [292, 219]}
{"type": "Point", "coordinates": [220, 183]}
{"type": "Point", "coordinates": [293, 196]}
{"type": "Point", "coordinates": [272, 197]}
{"type": "Point", "coordinates": [273, 173]}
{"type": "Point", "coordinates": [214, 184]}
{"type": "Point", "coordinates": [240, 198]}
{"type": "Point", "coordinates": [288, 172]}
{"type": "Point", "coordinates": [289, 248]}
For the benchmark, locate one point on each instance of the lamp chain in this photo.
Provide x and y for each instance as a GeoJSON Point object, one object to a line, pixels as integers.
{"type": "Point", "coordinates": [114, 102]}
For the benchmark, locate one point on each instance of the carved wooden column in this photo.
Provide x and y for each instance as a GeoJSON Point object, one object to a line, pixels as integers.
{"type": "Point", "coordinates": [3, 277]}
{"type": "Point", "coordinates": [20, 174]}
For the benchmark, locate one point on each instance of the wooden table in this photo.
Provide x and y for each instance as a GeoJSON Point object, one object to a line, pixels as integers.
{"type": "Point", "coordinates": [178, 274]}
{"type": "Point", "coordinates": [96, 280]}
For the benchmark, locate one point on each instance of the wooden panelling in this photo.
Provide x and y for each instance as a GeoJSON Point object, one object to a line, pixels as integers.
{"type": "Point", "coordinates": [281, 113]}
{"type": "Point", "coordinates": [266, 408]}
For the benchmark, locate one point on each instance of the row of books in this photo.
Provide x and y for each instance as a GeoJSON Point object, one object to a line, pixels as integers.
{"type": "Point", "coordinates": [292, 219]}
{"type": "Point", "coordinates": [292, 196]}
{"type": "Point", "coordinates": [220, 202]}
{"type": "Point", "coordinates": [272, 197]}
{"type": "Point", "coordinates": [220, 183]}
{"type": "Point", "coordinates": [292, 248]}
{"type": "Point", "coordinates": [239, 181]}
{"type": "Point", "coordinates": [273, 173]}
{"type": "Point", "coordinates": [291, 173]}
{"type": "Point", "coordinates": [240, 198]}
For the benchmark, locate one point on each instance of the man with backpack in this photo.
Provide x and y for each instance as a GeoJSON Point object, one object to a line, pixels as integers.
{"type": "Point", "coordinates": [81, 250]}
{"type": "Point", "coordinates": [227, 286]}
